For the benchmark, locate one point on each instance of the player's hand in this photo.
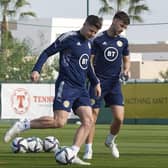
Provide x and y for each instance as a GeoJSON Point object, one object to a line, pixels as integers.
{"type": "Point", "coordinates": [127, 73]}
{"type": "Point", "coordinates": [98, 90]}
{"type": "Point", "coordinates": [125, 76]}
{"type": "Point", "coordinates": [35, 76]}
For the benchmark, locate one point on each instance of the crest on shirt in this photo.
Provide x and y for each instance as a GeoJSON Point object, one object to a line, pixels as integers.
{"type": "Point", "coordinates": [92, 101]}
{"type": "Point", "coordinates": [66, 103]}
{"type": "Point", "coordinates": [119, 43]}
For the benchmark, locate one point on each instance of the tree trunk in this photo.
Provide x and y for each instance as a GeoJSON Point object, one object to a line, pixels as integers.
{"type": "Point", "coordinates": [4, 32]}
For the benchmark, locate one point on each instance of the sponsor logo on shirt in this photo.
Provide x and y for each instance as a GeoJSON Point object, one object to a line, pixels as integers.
{"type": "Point", "coordinates": [110, 54]}
{"type": "Point", "coordinates": [83, 61]}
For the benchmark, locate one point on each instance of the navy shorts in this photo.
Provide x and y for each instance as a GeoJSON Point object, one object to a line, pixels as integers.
{"type": "Point", "coordinates": [69, 98]}
{"type": "Point", "coordinates": [111, 93]}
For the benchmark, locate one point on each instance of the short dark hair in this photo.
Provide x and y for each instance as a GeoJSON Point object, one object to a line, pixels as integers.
{"type": "Point", "coordinates": [122, 16]}
{"type": "Point", "coordinates": [95, 21]}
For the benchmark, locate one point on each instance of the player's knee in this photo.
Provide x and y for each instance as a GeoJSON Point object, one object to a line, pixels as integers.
{"type": "Point", "coordinates": [59, 123]}
{"type": "Point", "coordinates": [88, 122]}
{"type": "Point", "coordinates": [95, 113]}
{"type": "Point", "coordinates": [119, 121]}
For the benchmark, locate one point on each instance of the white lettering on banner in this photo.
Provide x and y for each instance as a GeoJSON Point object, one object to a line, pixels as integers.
{"type": "Point", "coordinates": [27, 100]}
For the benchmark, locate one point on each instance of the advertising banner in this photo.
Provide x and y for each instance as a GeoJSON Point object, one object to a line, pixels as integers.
{"type": "Point", "coordinates": [27, 101]}
{"type": "Point", "coordinates": [146, 100]}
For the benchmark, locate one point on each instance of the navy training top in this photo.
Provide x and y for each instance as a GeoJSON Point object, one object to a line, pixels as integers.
{"type": "Point", "coordinates": [74, 60]}
{"type": "Point", "coordinates": [109, 52]}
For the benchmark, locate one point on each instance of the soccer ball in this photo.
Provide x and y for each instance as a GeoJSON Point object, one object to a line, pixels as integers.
{"type": "Point", "coordinates": [35, 144]}
{"type": "Point", "coordinates": [64, 155]}
{"type": "Point", "coordinates": [50, 144]}
{"type": "Point", "coordinates": [19, 144]}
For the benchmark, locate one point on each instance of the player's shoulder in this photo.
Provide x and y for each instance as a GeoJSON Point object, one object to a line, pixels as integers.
{"type": "Point", "coordinates": [123, 38]}
{"type": "Point", "coordinates": [67, 35]}
{"type": "Point", "coordinates": [99, 37]}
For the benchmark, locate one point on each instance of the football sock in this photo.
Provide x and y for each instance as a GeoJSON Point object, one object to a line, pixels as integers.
{"type": "Point", "coordinates": [111, 138]}
{"type": "Point", "coordinates": [25, 124]}
{"type": "Point", "coordinates": [88, 147]}
{"type": "Point", "coordinates": [75, 149]}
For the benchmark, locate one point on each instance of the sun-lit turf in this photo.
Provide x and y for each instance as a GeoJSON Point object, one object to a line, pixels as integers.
{"type": "Point", "coordinates": [141, 146]}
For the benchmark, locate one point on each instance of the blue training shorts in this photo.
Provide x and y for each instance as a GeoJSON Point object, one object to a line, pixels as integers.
{"type": "Point", "coordinates": [111, 93]}
{"type": "Point", "coordinates": [68, 97]}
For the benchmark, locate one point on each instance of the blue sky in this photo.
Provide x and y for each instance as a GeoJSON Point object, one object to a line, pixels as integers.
{"type": "Point", "coordinates": [135, 34]}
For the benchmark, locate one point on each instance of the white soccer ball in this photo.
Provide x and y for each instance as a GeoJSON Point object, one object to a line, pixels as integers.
{"type": "Point", "coordinates": [50, 144]}
{"type": "Point", "coordinates": [35, 144]}
{"type": "Point", "coordinates": [64, 155]}
{"type": "Point", "coordinates": [19, 144]}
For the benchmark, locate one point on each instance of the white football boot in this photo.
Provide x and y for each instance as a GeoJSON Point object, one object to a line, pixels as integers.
{"type": "Point", "coordinates": [78, 161]}
{"type": "Point", "coordinates": [88, 155]}
{"type": "Point", "coordinates": [114, 150]}
{"type": "Point", "coordinates": [13, 131]}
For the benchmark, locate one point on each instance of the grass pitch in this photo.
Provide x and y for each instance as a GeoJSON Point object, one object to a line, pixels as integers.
{"type": "Point", "coordinates": [141, 146]}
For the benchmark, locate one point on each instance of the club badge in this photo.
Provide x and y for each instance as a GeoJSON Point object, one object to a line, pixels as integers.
{"type": "Point", "coordinates": [119, 43]}
{"type": "Point", "coordinates": [66, 103]}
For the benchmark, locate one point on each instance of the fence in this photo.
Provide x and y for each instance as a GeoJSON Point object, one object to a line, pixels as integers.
{"type": "Point", "coordinates": [145, 103]}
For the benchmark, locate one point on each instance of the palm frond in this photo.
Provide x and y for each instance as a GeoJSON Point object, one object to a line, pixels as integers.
{"type": "Point", "coordinates": [32, 14]}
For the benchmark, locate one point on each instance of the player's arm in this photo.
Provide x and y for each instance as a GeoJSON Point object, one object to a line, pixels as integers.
{"type": "Point", "coordinates": [35, 75]}
{"type": "Point", "coordinates": [98, 90]}
{"type": "Point", "coordinates": [93, 78]}
{"type": "Point", "coordinates": [92, 59]}
{"type": "Point", "coordinates": [126, 66]}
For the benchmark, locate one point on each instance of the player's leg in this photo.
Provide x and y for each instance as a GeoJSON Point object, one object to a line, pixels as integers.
{"type": "Point", "coordinates": [89, 141]}
{"type": "Point", "coordinates": [114, 99]}
{"type": "Point", "coordinates": [61, 108]}
{"type": "Point", "coordinates": [118, 117]}
{"type": "Point", "coordinates": [96, 103]}
{"type": "Point", "coordinates": [58, 121]}
{"type": "Point", "coordinates": [85, 115]}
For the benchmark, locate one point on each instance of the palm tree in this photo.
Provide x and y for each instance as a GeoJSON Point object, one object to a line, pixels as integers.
{"type": "Point", "coordinates": [10, 9]}
{"type": "Point", "coordinates": [136, 7]}
{"type": "Point", "coordinates": [106, 8]}
{"type": "Point", "coordinates": [133, 7]}
{"type": "Point", "coordinates": [164, 75]}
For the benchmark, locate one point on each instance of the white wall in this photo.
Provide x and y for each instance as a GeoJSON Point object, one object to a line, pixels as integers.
{"type": "Point", "coordinates": [37, 31]}
{"type": "Point", "coordinates": [42, 32]}
{"type": "Point", "coordinates": [136, 57]}
{"type": "Point", "coordinates": [61, 25]}
{"type": "Point", "coordinates": [151, 69]}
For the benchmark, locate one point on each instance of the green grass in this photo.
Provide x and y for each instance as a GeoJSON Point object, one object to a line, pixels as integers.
{"type": "Point", "coordinates": [141, 146]}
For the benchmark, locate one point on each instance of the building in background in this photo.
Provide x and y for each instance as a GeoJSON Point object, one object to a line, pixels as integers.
{"type": "Point", "coordinates": [148, 60]}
